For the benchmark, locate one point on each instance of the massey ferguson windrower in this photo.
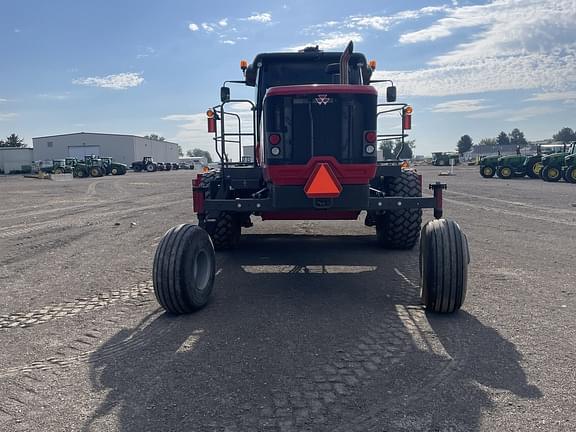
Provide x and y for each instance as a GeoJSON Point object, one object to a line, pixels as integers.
{"type": "Point", "coordinates": [312, 155]}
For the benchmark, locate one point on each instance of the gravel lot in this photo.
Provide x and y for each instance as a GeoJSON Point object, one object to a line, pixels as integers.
{"type": "Point", "coordinates": [311, 326]}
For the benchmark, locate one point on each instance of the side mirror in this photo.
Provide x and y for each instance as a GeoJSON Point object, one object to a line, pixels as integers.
{"type": "Point", "coordinates": [391, 94]}
{"type": "Point", "coordinates": [224, 94]}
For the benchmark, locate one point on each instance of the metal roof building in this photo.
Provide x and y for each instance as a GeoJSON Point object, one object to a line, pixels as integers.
{"type": "Point", "coordinates": [122, 148]}
{"type": "Point", "coordinates": [15, 159]}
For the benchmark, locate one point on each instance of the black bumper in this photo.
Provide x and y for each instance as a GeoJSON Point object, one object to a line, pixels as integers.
{"type": "Point", "coordinates": [283, 198]}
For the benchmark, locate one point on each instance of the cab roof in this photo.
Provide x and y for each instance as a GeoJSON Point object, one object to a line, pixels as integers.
{"type": "Point", "coordinates": [306, 55]}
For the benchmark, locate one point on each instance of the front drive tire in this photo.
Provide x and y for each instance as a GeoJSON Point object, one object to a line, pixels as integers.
{"type": "Point", "coordinates": [570, 174]}
{"type": "Point", "coordinates": [184, 269]}
{"type": "Point", "coordinates": [400, 229]}
{"type": "Point", "coordinates": [533, 169]}
{"type": "Point", "coordinates": [551, 174]}
{"type": "Point", "coordinates": [487, 171]}
{"type": "Point", "coordinates": [444, 259]}
{"type": "Point", "coordinates": [505, 172]}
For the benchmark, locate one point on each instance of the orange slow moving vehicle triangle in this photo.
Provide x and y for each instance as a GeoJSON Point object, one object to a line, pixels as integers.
{"type": "Point", "coordinates": [323, 183]}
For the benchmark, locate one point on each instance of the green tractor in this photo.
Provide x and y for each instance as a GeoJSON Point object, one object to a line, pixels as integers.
{"type": "Point", "coordinates": [511, 166]}
{"type": "Point", "coordinates": [488, 166]}
{"type": "Point", "coordinates": [570, 167]}
{"type": "Point", "coordinates": [114, 168]}
{"type": "Point", "coordinates": [89, 167]}
{"type": "Point", "coordinates": [443, 158]}
{"type": "Point", "coordinates": [533, 164]}
{"type": "Point", "coordinates": [62, 166]}
{"type": "Point", "coordinates": [553, 165]}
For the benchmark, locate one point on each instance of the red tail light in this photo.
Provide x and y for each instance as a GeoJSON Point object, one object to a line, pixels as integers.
{"type": "Point", "coordinates": [370, 137]}
{"type": "Point", "coordinates": [274, 139]}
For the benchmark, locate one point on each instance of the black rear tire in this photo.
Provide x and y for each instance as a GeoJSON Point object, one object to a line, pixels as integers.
{"type": "Point", "coordinates": [184, 269]}
{"type": "Point", "coordinates": [444, 259]}
{"type": "Point", "coordinates": [96, 172]}
{"type": "Point", "coordinates": [551, 173]}
{"type": "Point", "coordinates": [400, 229]}
{"type": "Point", "coordinates": [225, 232]}
{"type": "Point", "coordinates": [570, 174]}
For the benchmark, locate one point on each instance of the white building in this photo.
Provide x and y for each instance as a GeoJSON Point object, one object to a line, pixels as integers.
{"type": "Point", "coordinates": [121, 148]}
{"type": "Point", "coordinates": [197, 161]}
{"type": "Point", "coordinates": [15, 159]}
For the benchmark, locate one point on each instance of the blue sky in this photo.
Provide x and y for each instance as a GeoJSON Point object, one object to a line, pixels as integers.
{"type": "Point", "coordinates": [139, 67]}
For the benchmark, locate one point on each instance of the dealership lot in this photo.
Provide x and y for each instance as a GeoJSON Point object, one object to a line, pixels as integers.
{"type": "Point", "coordinates": [311, 326]}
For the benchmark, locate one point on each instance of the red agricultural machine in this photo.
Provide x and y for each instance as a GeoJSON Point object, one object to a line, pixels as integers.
{"type": "Point", "coordinates": [314, 135]}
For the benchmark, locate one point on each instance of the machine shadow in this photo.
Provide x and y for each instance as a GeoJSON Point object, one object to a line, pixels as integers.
{"type": "Point", "coordinates": [305, 333]}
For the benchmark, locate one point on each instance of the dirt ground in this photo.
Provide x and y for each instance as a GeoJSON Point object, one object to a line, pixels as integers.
{"type": "Point", "coordinates": [311, 326]}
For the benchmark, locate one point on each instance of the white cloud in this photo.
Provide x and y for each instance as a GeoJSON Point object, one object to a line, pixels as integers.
{"type": "Point", "coordinates": [461, 105]}
{"type": "Point", "coordinates": [519, 45]}
{"type": "Point", "coordinates": [377, 22]}
{"type": "Point", "coordinates": [119, 81]}
{"type": "Point", "coordinates": [515, 115]}
{"type": "Point", "coordinates": [193, 27]}
{"type": "Point", "coordinates": [180, 117]}
{"type": "Point", "coordinates": [504, 28]}
{"type": "Point", "coordinates": [264, 17]}
{"type": "Point", "coordinates": [228, 42]}
{"type": "Point", "coordinates": [332, 41]}
{"type": "Point", "coordinates": [566, 97]}
{"type": "Point", "coordinates": [207, 27]}
{"type": "Point", "coordinates": [192, 130]}
{"type": "Point", "coordinates": [53, 96]}
{"type": "Point", "coordinates": [7, 116]}
{"type": "Point", "coordinates": [223, 22]}
{"type": "Point", "coordinates": [3, 100]}
{"type": "Point", "coordinates": [533, 71]}
{"type": "Point", "coordinates": [147, 52]}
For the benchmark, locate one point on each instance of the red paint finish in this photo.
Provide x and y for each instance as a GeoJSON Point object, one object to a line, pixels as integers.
{"type": "Point", "coordinates": [321, 89]}
{"type": "Point", "coordinates": [197, 196]}
{"type": "Point", "coordinates": [311, 215]}
{"type": "Point", "coordinates": [211, 125]}
{"type": "Point", "coordinates": [407, 121]}
{"type": "Point", "coordinates": [294, 175]}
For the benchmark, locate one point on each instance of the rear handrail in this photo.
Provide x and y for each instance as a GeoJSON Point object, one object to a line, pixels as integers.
{"type": "Point", "coordinates": [220, 140]}
{"type": "Point", "coordinates": [393, 107]}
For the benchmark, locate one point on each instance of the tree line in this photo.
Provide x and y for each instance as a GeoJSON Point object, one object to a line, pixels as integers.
{"type": "Point", "coordinates": [515, 138]}
{"type": "Point", "coordinates": [13, 140]}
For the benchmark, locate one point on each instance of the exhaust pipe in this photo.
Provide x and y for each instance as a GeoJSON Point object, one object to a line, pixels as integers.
{"type": "Point", "coordinates": [344, 60]}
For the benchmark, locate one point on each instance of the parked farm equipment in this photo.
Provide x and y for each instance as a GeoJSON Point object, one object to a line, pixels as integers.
{"type": "Point", "coordinates": [146, 164]}
{"type": "Point", "coordinates": [445, 158]}
{"type": "Point", "coordinates": [314, 135]}
{"type": "Point", "coordinates": [91, 166]}
{"type": "Point", "coordinates": [114, 168]}
{"type": "Point", "coordinates": [554, 166]}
